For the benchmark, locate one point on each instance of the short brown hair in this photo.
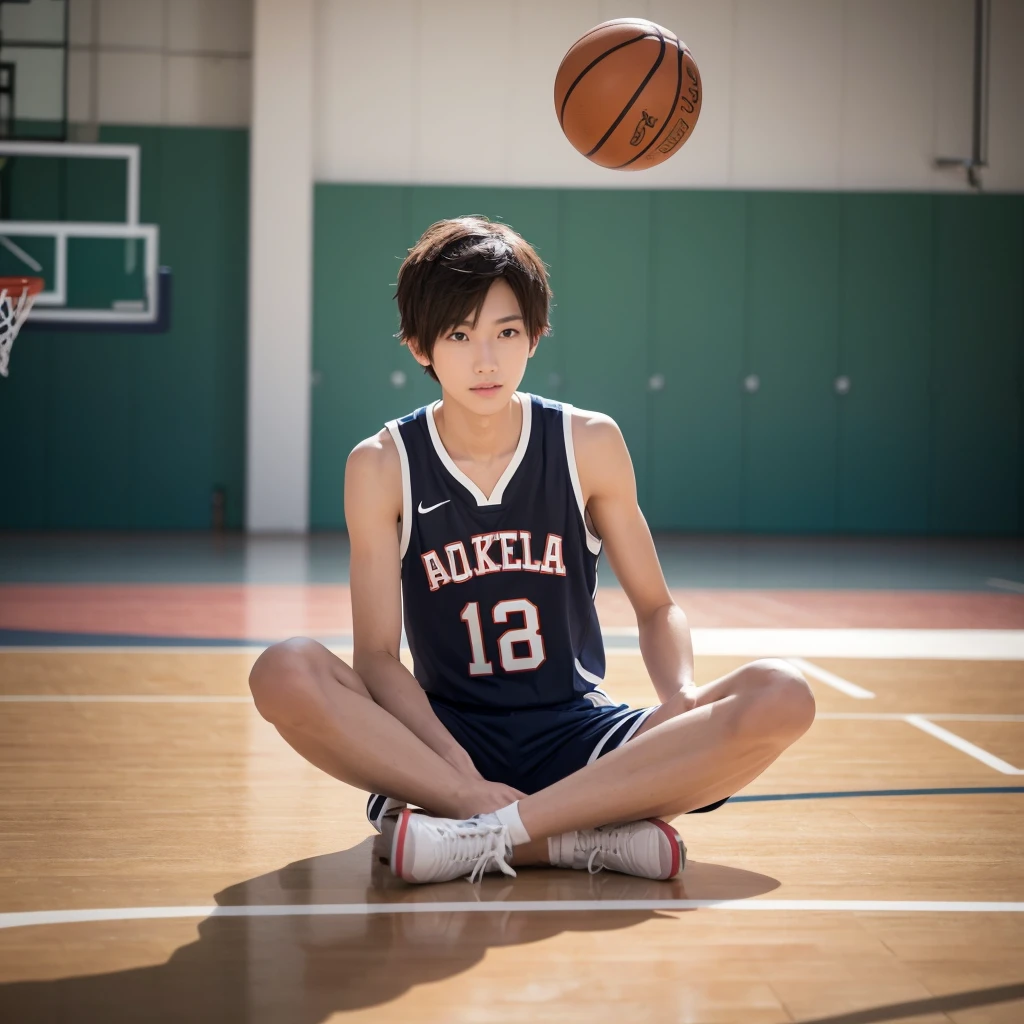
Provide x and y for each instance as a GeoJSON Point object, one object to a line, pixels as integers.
{"type": "Point", "coordinates": [444, 279]}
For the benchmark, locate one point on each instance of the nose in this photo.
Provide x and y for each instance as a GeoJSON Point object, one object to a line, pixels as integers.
{"type": "Point", "coordinates": [486, 360]}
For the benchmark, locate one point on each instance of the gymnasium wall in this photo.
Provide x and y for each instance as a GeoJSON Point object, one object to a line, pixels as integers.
{"type": "Point", "coordinates": [798, 94]}
{"type": "Point", "coordinates": [666, 301]}
{"type": "Point", "coordinates": [159, 62]}
{"type": "Point", "coordinates": [130, 431]}
{"type": "Point", "coordinates": [803, 234]}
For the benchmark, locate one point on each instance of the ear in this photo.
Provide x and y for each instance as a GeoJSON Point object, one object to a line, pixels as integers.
{"type": "Point", "coordinates": [414, 347]}
{"type": "Point", "coordinates": [533, 346]}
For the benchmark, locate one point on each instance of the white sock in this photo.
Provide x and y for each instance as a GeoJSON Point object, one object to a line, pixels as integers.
{"type": "Point", "coordinates": [560, 850]}
{"type": "Point", "coordinates": [509, 817]}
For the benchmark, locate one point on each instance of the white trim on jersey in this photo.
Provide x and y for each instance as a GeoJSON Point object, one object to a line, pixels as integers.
{"type": "Point", "coordinates": [403, 457]}
{"type": "Point", "coordinates": [593, 543]}
{"type": "Point", "coordinates": [588, 675]}
{"type": "Point", "coordinates": [526, 402]}
{"type": "Point", "coordinates": [597, 696]}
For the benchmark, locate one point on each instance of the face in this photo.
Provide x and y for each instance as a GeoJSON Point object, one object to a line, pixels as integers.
{"type": "Point", "coordinates": [480, 365]}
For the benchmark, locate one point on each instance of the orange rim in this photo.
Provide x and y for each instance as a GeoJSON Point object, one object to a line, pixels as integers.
{"type": "Point", "coordinates": [13, 285]}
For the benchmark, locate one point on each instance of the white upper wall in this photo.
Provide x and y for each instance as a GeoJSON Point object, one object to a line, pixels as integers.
{"type": "Point", "coordinates": [803, 94]}
{"type": "Point", "coordinates": [173, 62]}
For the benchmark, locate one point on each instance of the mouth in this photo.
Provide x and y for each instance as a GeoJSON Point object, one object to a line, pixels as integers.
{"type": "Point", "coordinates": [486, 389]}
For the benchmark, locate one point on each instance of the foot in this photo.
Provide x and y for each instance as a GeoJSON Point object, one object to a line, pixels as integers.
{"type": "Point", "coordinates": [649, 849]}
{"type": "Point", "coordinates": [379, 807]}
{"type": "Point", "coordinates": [426, 849]}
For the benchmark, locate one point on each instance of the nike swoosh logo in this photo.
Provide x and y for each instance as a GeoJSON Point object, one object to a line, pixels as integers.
{"type": "Point", "coordinates": [421, 509]}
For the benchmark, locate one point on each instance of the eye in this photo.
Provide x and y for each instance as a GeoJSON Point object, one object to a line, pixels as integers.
{"type": "Point", "coordinates": [458, 336]}
{"type": "Point", "coordinates": [509, 332]}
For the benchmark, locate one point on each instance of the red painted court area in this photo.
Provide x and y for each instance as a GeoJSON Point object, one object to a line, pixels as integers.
{"type": "Point", "coordinates": [273, 611]}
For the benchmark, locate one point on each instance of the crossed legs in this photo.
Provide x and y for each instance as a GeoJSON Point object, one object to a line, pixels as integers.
{"type": "Point", "coordinates": [692, 751]}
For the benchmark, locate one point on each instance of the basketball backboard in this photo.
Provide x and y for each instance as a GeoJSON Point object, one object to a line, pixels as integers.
{"type": "Point", "coordinates": [100, 275]}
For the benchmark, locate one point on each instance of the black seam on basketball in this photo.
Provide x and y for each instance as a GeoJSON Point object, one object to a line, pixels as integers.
{"type": "Point", "coordinates": [594, 63]}
{"type": "Point", "coordinates": [668, 119]}
{"type": "Point", "coordinates": [625, 110]}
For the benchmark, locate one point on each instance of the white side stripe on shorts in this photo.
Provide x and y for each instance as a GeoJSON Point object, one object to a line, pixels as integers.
{"type": "Point", "coordinates": [620, 719]}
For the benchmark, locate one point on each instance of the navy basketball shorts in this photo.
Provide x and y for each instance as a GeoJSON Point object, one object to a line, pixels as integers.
{"type": "Point", "coordinates": [534, 748]}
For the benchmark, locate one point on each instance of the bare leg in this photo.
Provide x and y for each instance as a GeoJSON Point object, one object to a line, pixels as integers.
{"type": "Point", "coordinates": [688, 754]}
{"type": "Point", "coordinates": [323, 710]}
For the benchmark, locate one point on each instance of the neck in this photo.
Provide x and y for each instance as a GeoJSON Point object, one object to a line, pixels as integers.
{"type": "Point", "coordinates": [468, 435]}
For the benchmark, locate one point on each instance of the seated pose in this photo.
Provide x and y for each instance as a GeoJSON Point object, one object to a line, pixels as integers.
{"type": "Point", "coordinates": [484, 515]}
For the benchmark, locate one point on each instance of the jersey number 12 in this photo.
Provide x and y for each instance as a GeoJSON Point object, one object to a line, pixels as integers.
{"type": "Point", "coordinates": [529, 634]}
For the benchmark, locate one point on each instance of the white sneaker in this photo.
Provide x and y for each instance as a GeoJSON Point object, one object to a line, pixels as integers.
{"type": "Point", "coordinates": [426, 849]}
{"type": "Point", "coordinates": [650, 849]}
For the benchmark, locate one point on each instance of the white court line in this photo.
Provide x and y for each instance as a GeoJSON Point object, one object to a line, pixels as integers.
{"type": "Point", "coordinates": [887, 716]}
{"type": "Point", "coordinates": [963, 745]}
{"type": "Point", "coordinates": [1012, 585]}
{"type": "Point", "coordinates": [925, 644]}
{"type": "Point", "coordinates": [133, 649]}
{"type": "Point", "coordinates": [43, 917]}
{"type": "Point", "coordinates": [831, 679]}
{"type": "Point", "coordinates": [903, 644]}
{"type": "Point", "coordinates": [953, 717]}
{"type": "Point", "coordinates": [168, 698]}
{"type": "Point", "coordinates": [910, 644]}
{"type": "Point", "coordinates": [960, 645]}
{"type": "Point", "coordinates": [119, 698]}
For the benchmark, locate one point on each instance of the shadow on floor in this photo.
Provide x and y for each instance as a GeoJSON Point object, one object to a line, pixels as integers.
{"type": "Point", "coordinates": [920, 1007]}
{"type": "Point", "coordinates": [301, 969]}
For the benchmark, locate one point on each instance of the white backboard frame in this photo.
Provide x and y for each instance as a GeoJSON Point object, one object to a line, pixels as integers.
{"type": "Point", "coordinates": [51, 304]}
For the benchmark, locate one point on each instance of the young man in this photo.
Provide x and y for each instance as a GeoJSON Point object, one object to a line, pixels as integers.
{"type": "Point", "coordinates": [485, 514]}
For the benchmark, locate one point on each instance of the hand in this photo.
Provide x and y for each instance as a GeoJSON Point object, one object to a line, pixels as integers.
{"type": "Point", "coordinates": [690, 694]}
{"type": "Point", "coordinates": [481, 796]}
{"type": "Point", "coordinates": [485, 797]}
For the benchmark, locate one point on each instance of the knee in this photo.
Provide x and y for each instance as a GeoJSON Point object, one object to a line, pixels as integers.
{"type": "Point", "coordinates": [778, 704]}
{"type": "Point", "coordinates": [282, 679]}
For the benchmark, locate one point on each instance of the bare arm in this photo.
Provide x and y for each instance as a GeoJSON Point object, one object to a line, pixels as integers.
{"type": "Point", "coordinates": [373, 503]}
{"type": "Point", "coordinates": [609, 494]}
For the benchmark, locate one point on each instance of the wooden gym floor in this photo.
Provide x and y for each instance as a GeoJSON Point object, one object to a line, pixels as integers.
{"type": "Point", "coordinates": [165, 857]}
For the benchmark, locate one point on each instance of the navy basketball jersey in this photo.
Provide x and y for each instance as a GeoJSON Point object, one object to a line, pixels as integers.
{"type": "Point", "coordinates": [498, 590]}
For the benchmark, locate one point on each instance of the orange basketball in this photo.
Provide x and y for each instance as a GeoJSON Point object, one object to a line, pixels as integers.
{"type": "Point", "coordinates": [628, 94]}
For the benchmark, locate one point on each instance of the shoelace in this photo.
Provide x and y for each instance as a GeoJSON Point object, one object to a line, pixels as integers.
{"type": "Point", "coordinates": [492, 848]}
{"type": "Point", "coordinates": [613, 835]}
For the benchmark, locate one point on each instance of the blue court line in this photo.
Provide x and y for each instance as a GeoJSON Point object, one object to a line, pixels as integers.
{"type": "Point", "coordinates": [947, 791]}
{"type": "Point", "coordinates": [56, 638]}
{"type": "Point", "coordinates": [43, 638]}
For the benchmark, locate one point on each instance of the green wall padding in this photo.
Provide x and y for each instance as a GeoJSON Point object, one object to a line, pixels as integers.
{"type": "Point", "coordinates": [134, 431]}
{"type": "Point", "coordinates": [885, 349]}
{"type": "Point", "coordinates": [695, 422]}
{"type": "Point", "coordinates": [918, 299]}
{"type": "Point", "coordinates": [792, 344]}
{"type": "Point", "coordinates": [976, 394]}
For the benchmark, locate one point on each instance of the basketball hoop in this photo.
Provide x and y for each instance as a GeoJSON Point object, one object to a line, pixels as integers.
{"type": "Point", "coordinates": [16, 297]}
